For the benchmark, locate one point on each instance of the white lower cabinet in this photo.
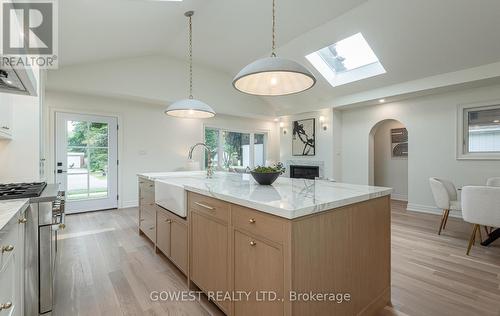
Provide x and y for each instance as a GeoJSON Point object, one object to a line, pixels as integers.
{"type": "Point", "coordinates": [12, 268]}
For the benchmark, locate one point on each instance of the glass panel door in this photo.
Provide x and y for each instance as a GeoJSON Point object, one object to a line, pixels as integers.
{"type": "Point", "coordinates": [236, 150]}
{"type": "Point", "coordinates": [86, 164]}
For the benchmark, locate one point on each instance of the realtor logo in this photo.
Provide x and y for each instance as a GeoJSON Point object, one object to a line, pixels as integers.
{"type": "Point", "coordinates": [29, 29]}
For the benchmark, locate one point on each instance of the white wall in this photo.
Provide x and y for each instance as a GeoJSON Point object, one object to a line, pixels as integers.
{"type": "Point", "coordinates": [149, 141]}
{"type": "Point", "coordinates": [324, 140]}
{"type": "Point", "coordinates": [389, 171]}
{"type": "Point", "coordinates": [157, 79]}
{"type": "Point", "coordinates": [431, 124]}
{"type": "Point", "coordinates": [20, 156]}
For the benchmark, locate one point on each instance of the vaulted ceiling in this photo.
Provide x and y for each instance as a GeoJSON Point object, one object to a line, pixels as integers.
{"type": "Point", "coordinates": [414, 40]}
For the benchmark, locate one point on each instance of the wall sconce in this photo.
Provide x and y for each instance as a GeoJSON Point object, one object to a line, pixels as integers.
{"type": "Point", "coordinates": [322, 123]}
{"type": "Point", "coordinates": [282, 125]}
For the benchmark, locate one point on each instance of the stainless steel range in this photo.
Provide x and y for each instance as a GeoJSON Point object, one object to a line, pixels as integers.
{"type": "Point", "coordinates": [44, 218]}
{"type": "Point", "coordinates": [21, 190]}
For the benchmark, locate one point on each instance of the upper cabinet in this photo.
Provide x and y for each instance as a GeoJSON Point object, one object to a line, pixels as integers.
{"type": "Point", "coordinates": [5, 116]}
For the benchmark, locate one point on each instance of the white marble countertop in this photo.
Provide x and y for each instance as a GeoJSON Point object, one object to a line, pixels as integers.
{"type": "Point", "coordinates": [9, 208]}
{"type": "Point", "coordinates": [288, 198]}
{"type": "Point", "coordinates": [171, 174]}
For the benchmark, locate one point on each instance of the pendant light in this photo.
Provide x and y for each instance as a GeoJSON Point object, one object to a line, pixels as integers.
{"type": "Point", "coordinates": [190, 108]}
{"type": "Point", "coordinates": [273, 76]}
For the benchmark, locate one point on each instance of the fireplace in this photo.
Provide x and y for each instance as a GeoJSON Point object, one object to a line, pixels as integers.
{"type": "Point", "coordinates": [304, 172]}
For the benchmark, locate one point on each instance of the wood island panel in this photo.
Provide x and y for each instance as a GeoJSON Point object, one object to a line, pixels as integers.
{"type": "Point", "coordinates": [342, 251]}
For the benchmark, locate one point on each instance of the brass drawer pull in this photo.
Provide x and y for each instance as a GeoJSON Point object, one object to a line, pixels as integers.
{"type": "Point", "coordinates": [205, 206]}
{"type": "Point", "coordinates": [253, 243]}
{"type": "Point", "coordinates": [22, 220]}
{"type": "Point", "coordinates": [251, 220]}
{"type": "Point", "coordinates": [5, 305]}
{"type": "Point", "coordinates": [7, 248]}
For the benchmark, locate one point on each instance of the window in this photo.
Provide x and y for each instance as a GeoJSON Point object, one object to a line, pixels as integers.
{"type": "Point", "coordinates": [480, 132]}
{"type": "Point", "coordinates": [234, 150]}
{"type": "Point", "coordinates": [348, 60]}
{"type": "Point", "coordinates": [212, 141]}
{"type": "Point", "coordinates": [258, 153]}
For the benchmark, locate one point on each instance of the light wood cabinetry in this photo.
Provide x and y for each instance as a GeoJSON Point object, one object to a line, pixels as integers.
{"type": "Point", "coordinates": [258, 267]}
{"type": "Point", "coordinates": [278, 262]}
{"type": "Point", "coordinates": [209, 252]}
{"type": "Point", "coordinates": [172, 238]}
{"type": "Point", "coordinates": [163, 234]}
{"type": "Point", "coordinates": [6, 117]}
{"type": "Point", "coordinates": [167, 231]}
{"type": "Point", "coordinates": [147, 210]}
{"type": "Point", "coordinates": [179, 244]}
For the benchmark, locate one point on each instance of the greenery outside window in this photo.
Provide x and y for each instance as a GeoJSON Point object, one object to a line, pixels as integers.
{"type": "Point", "coordinates": [235, 150]}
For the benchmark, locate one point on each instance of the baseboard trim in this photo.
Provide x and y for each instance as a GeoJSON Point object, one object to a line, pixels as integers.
{"type": "Point", "coordinates": [128, 204]}
{"type": "Point", "coordinates": [399, 197]}
{"type": "Point", "coordinates": [419, 208]}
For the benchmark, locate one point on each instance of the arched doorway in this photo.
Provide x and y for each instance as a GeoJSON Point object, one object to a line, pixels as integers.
{"type": "Point", "coordinates": [388, 157]}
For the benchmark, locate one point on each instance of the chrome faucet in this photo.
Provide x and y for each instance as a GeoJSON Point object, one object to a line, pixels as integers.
{"type": "Point", "coordinates": [210, 168]}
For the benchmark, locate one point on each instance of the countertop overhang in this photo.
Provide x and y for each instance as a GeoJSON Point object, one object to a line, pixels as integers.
{"type": "Point", "coordinates": [9, 208]}
{"type": "Point", "coordinates": [287, 198]}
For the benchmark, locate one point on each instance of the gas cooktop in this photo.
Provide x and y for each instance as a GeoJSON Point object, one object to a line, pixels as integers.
{"type": "Point", "coordinates": [21, 190]}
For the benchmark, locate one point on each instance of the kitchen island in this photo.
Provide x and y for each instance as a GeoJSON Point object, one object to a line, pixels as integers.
{"type": "Point", "coordinates": [298, 247]}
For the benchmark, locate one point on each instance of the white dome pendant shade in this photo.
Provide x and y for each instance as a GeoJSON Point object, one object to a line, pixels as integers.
{"type": "Point", "coordinates": [274, 76]}
{"type": "Point", "coordinates": [190, 108]}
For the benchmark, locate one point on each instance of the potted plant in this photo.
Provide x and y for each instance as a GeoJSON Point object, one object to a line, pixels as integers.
{"type": "Point", "coordinates": [267, 175]}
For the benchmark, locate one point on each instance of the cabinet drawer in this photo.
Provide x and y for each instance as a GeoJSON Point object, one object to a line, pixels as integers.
{"type": "Point", "coordinates": [8, 240]}
{"type": "Point", "coordinates": [255, 222]}
{"type": "Point", "coordinates": [147, 198]}
{"type": "Point", "coordinates": [148, 213]}
{"type": "Point", "coordinates": [209, 206]}
{"type": "Point", "coordinates": [10, 278]}
{"type": "Point", "coordinates": [147, 223]}
{"type": "Point", "coordinates": [146, 185]}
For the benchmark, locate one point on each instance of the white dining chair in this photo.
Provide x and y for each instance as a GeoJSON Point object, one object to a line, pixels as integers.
{"type": "Point", "coordinates": [493, 182]}
{"type": "Point", "coordinates": [446, 198]}
{"type": "Point", "coordinates": [480, 206]}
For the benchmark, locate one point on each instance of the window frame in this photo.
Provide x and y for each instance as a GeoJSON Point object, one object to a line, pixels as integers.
{"type": "Point", "coordinates": [236, 130]}
{"type": "Point", "coordinates": [359, 73]}
{"type": "Point", "coordinates": [462, 146]}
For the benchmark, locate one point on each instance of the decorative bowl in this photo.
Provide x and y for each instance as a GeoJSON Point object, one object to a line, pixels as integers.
{"type": "Point", "coordinates": [265, 178]}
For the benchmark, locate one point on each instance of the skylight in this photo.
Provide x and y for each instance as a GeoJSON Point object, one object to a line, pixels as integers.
{"type": "Point", "coordinates": [348, 60]}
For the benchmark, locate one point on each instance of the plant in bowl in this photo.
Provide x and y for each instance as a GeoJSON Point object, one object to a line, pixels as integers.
{"type": "Point", "coordinates": [267, 175]}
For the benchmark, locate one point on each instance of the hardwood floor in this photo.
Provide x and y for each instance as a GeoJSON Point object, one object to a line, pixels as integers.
{"type": "Point", "coordinates": [106, 268]}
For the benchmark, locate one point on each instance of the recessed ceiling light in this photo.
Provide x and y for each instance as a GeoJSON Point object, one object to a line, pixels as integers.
{"type": "Point", "coordinates": [496, 121]}
{"type": "Point", "coordinates": [348, 60]}
{"type": "Point", "coordinates": [381, 100]}
{"type": "Point", "coordinates": [276, 120]}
